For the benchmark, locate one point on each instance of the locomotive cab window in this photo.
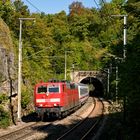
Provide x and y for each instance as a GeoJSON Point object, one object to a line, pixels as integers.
{"type": "Point", "coordinates": [42, 89]}
{"type": "Point", "coordinates": [54, 89]}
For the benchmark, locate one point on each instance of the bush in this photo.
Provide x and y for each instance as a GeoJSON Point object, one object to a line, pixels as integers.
{"type": "Point", "coordinates": [4, 118]}
{"type": "Point", "coordinates": [3, 98]}
{"type": "Point", "coordinates": [25, 97]}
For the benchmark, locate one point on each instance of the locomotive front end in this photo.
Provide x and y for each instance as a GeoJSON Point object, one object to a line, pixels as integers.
{"type": "Point", "coordinates": [47, 99]}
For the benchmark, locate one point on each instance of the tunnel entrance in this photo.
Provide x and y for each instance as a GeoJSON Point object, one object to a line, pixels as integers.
{"type": "Point", "coordinates": [96, 87]}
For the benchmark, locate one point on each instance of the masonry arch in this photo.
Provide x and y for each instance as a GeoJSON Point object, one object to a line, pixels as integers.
{"type": "Point", "coordinates": [96, 86]}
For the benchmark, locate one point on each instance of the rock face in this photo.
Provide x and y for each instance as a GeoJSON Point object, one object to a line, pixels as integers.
{"type": "Point", "coordinates": [7, 71]}
{"type": "Point", "coordinates": [8, 76]}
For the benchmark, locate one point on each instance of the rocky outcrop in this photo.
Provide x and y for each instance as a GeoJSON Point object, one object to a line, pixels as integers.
{"type": "Point", "coordinates": [7, 68]}
{"type": "Point", "coordinates": [8, 80]}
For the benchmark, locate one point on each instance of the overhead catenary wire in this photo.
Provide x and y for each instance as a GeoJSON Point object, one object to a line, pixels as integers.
{"type": "Point", "coordinates": [96, 4]}
{"type": "Point", "coordinates": [34, 6]}
{"type": "Point", "coordinates": [38, 52]}
{"type": "Point", "coordinates": [106, 19]}
{"type": "Point", "coordinates": [98, 8]}
{"type": "Point", "coordinates": [111, 20]}
{"type": "Point", "coordinates": [125, 27]}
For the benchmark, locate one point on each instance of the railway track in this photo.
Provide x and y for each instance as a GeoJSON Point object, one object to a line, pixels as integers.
{"type": "Point", "coordinates": [47, 129]}
{"type": "Point", "coordinates": [87, 127]}
{"type": "Point", "coordinates": [23, 132]}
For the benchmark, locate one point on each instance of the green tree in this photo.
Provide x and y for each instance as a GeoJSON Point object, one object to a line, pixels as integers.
{"type": "Point", "coordinates": [129, 84]}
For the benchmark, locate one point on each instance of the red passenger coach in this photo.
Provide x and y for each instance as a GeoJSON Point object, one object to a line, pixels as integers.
{"type": "Point", "coordinates": [55, 98]}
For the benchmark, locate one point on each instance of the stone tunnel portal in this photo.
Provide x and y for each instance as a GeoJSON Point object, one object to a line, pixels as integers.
{"type": "Point", "coordinates": [96, 86]}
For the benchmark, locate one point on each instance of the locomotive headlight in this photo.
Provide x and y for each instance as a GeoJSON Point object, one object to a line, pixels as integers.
{"type": "Point", "coordinates": [55, 104]}
{"type": "Point", "coordinates": [41, 105]}
{"type": "Point", "coordinates": [47, 94]}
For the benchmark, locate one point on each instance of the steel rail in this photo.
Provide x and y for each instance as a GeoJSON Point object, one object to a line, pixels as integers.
{"type": "Point", "coordinates": [78, 124]}
{"type": "Point", "coordinates": [95, 125]}
{"type": "Point", "coordinates": [22, 132]}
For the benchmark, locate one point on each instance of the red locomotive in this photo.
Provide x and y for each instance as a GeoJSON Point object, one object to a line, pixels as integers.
{"type": "Point", "coordinates": [58, 98]}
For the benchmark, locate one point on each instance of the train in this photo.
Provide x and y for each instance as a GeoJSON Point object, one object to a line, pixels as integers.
{"type": "Point", "coordinates": [59, 98]}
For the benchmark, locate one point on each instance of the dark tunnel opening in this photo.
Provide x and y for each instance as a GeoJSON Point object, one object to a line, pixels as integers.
{"type": "Point", "coordinates": [96, 87]}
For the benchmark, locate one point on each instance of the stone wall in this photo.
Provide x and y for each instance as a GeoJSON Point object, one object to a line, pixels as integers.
{"type": "Point", "coordinates": [8, 72]}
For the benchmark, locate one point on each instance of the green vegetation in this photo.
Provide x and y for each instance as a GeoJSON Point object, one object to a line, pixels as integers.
{"type": "Point", "coordinates": [87, 35]}
{"type": "Point", "coordinates": [4, 115]}
{"type": "Point", "coordinates": [3, 98]}
{"type": "Point", "coordinates": [4, 118]}
{"type": "Point", "coordinates": [26, 97]}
